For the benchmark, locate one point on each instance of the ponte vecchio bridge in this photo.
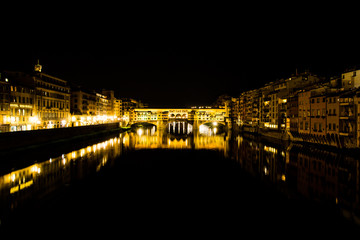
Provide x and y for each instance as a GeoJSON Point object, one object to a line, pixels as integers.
{"type": "Point", "coordinates": [180, 120]}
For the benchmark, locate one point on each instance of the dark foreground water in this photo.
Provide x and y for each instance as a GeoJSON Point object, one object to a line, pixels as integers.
{"type": "Point", "coordinates": [154, 184]}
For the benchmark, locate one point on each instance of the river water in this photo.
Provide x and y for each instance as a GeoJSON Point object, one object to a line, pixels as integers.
{"type": "Point", "coordinates": [148, 179]}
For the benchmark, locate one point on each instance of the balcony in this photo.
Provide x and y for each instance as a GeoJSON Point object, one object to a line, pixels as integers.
{"type": "Point", "coordinates": [347, 115]}
{"type": "Point", "coordinates": [346, 103]}
{"type": "Point", "coordinates": [346, 118]}
{"type": "Point", "coordinates": [347, 134]}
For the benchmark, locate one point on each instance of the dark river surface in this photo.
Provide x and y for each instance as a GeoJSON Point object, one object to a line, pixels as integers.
{"type": "Point", "coordinates": [152, 183]}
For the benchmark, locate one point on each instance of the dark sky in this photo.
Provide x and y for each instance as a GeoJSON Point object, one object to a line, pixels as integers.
{"type": "Point", "coordinates": [180, 56]}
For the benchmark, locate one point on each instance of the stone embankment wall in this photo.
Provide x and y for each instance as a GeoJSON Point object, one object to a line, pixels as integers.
{"type": "Point", "coordinates": [11, 140]}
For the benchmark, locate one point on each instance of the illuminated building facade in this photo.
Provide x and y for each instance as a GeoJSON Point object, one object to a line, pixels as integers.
{"type": "Point", "coordinates": [102, 105]}
{"type": "Point", "coordinates": [348, 118]}
{"type": "Point", "coordinates": [318, 116]}
{"type": "Point", "coordinates": [83, 102]}
{"type": "Point", "coordinates": [82, 107]}
{"type": "Point", "coordinates": [18, 102]}
{"type": "Point", "coordinates": [30, 101]}
{"type": "Point", "coordinates": [117, 108]}
{"type": "Point", "coordinates": [109, 94]}
{"type": "Point", "coordinates": [127, 109]}
{"type": "Point", "coordinates": [89, 107]}
{"type": "Point", "coordinates": [115, 104]}
{"type": "Point", "coordinates": [304, 112]}
{"type": "Point", "coordinates": [332, 118]}
{"type": "Point", "coordinates": [350, 79]}
{"type": "Point", "coordinates": [22, 109]}
{"type": "Point", "coordinates": [293, 113]}
{"type": "Point", "coordinates": [52, 100]}
{"type": "Point", "coordinates": [264, 105]}
{"type": "Point", "coordinates": [4, 104]}
{"type": "Point", "coordinates": [307, 108]}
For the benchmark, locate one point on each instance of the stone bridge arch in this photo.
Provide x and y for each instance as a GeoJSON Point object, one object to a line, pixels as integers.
{"type": "Point", "coordinates": [212, 127]}
{"type": "Point", "coordinates": [144, 125]}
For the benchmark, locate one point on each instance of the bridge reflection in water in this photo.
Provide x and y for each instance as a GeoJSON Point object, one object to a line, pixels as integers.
{"type": "Point", "coordinates": [324, 176]}
{"type": "Point", "coordinates": [146, 138]}
{"type": "Point", "coordinates": [179, 127]}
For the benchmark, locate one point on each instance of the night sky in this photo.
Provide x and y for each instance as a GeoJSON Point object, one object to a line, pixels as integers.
{"type": "Point", "coordinates": [182, 56]}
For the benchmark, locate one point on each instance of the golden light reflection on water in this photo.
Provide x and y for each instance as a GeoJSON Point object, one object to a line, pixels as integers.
{"type": "Point", "coordinates": [266, 160]}
{"type": "Point", "coordinates": [21, 179]}
{"type": "Point", "coordinates": [56, 169]}
{"type": "Point", "coordinates": [145, 139]}
{"type": "Point", "coordinates": [19, 185]}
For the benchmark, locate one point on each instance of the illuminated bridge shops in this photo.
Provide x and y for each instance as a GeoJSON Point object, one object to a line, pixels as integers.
{"type": "Point", "coordinates": [180, 121]}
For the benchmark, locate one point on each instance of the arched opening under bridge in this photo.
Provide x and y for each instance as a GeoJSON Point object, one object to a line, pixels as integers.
{"type": "Point", "coordinates": [212, 128]}
{"type": "Point", "coordinates": [142, 125]}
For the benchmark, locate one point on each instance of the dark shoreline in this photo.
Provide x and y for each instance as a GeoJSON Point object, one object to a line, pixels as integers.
{"type": "Point", "coordinates": [353, 152]}
{"type": "Point", "coordinates": [22, 139]}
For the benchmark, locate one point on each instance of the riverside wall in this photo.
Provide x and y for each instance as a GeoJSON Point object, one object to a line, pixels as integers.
{"type": "Point", "coordinates": [13, 140]}
{"type": "Point", "coordinates": [283, 136]}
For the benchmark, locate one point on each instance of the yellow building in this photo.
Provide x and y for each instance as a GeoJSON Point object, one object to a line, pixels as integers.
{"type": "Point", "coordinates": [4, 104]}
{"type": "Point", "coordinates": [103, 107]}
{"type": "Point", "coordinates": [17, 103]}
{"type": "Point", "coordinates": [117, 108]}
{"type": "Point", "coordinates": [52, 100]}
